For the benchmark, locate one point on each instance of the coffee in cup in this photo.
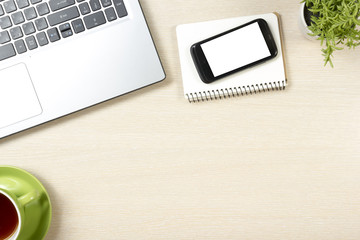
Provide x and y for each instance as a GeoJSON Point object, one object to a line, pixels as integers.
{"type": "Point", "coordinates": [25, 208]}
{"type": "Point", "coordinates": [9, 217]}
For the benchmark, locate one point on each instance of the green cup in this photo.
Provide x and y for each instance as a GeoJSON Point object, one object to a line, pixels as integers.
{"type": "Point", "coordinates": [25, 208]}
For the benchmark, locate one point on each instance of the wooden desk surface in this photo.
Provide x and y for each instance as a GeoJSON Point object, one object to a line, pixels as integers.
{"type": "Point", "coordinates": [149, 165]}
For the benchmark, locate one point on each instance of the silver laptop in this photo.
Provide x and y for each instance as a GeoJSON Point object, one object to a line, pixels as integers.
{"type": "Point", "coordinates": [60, 56]}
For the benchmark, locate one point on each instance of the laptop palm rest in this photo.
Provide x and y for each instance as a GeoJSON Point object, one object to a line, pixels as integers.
{"type": "Point", "coordinates": [18, 99]}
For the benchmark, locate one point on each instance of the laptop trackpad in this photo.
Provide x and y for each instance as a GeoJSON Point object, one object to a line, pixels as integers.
{"type": "Point", "coordinates": [18, 99]}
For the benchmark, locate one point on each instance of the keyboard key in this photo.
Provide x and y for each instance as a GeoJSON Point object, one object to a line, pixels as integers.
{"type": "Point", "coordinates": [16, 33]}
{"type": "Point", "coordinates": [28, 28]}
{"type": "Point", "coordinates": [65, 30]}
{"type": "Point", "coordinates": [1, 11]}
{"type": "Point", "coordinates": [94, 20]}
{"type": "Point", "coordinates": [120, 8]}
{"type": "Point", "coordinates": [78, 25]}
{"type": "Point", "coordinates": [106, 3]}
{"type": "Point", "coordinates": [63, 16]}
{"type": "Point", "coordinates": [35, 1]}
{"type": "Point", "coordinates": [42, 39]}
{"type": "Point", "coordinates": [53, 34]}
{"type": "Point", "coordinates": [95, 5]}
{"type": "Point", "coordinates": [64, 27]}
{"type": "Point", "coordinates": [7, 51]}
{"type": "Point", "coordinates": [43, 9]}
{"type": "Point", "coordinates": [110, 14]}
{"type": "Point", "coordinates": [84, 8]}
{"type": "Point", "coordinates": [59, 4]}
{"type": "Point", "coordinates": [18, 18]}
{"type": "Point", "coordinates": [41, 24]}
{"type": "Point", "coordinates": [4, 37]}
{"type": "Point", "coordinates": [20, 46]}
{"type": "Point", "coordinates": [66, 33]}
{"type": "Point", "coordinates": [31, 42]}
{"type": "Point", "coordinates": [5, 22]}
{"type": "Point", "coordinates": [22, 3]}
{"type": "Point", "coordinates": [30, 13]}
{"type": "Point", "coordinates": [9, 6]}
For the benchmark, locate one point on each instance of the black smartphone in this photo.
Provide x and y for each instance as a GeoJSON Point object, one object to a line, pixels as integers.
{"type": "Point", "coordinates": [234, 50]}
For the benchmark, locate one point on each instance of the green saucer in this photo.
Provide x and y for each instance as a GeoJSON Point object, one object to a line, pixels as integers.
{"type": "Point", "coordinates": [23, 183]}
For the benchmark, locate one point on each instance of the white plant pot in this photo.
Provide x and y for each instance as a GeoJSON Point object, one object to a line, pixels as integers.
{"type": "Point", "coordinates": [302, 24]}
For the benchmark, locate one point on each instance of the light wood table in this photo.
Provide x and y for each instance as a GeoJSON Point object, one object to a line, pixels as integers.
{"type": "Point", "coordinates": [150, 165]}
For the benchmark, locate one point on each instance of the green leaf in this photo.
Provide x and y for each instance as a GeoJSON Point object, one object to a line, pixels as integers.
{"type": "Point", "coordinates": [336, 24]}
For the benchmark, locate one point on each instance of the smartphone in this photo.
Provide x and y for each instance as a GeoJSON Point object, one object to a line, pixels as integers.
{"type": "Point", "coordinates": [234, 50]}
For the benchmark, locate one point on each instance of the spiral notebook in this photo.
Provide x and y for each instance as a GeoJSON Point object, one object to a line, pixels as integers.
{"type": "Point", "coordinates": [268, 76]}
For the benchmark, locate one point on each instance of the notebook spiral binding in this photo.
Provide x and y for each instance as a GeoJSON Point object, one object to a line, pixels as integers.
{"type": "Point", "coordinates": [235, 91]}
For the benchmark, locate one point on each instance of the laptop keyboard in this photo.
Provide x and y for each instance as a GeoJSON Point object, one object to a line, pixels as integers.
{"type": "Point", "coordinates": [29, 24]}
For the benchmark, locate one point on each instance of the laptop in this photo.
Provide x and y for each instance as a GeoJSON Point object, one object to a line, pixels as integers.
{"type": "Point", "coordinates": [61, 56]}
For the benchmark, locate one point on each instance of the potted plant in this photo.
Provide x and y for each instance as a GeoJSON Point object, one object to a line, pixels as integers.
{"type": "Point", "coordinates": [334, 22]}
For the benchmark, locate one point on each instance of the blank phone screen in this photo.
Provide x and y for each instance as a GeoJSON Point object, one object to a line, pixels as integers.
{"type": "Point", "coordinates": [235, 49]}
